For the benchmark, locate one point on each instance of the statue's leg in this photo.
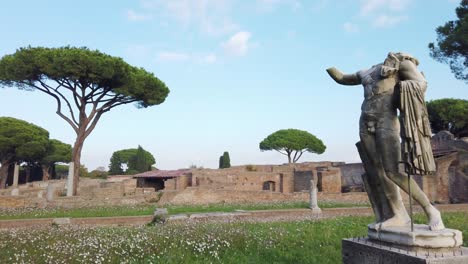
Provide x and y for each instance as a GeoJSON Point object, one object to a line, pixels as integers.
{"type": "Point", "coordinates": [388, 143]}
{"type": "Point", "coordinates": [390, 202]}
{"type": "Point", "coordinates": [367, 179]}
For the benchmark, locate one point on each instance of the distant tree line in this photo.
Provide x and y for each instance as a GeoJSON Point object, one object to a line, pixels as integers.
{"type": "Point", "coordinates": [449, 114]}
{"type": "Point", "coordinates": [28, 144]}
{"type": "Point", "coordinates": [135, 160]}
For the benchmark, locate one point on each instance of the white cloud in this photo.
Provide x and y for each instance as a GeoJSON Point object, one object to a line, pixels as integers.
{"type": "Point", "coordinates": [211, 16]}
{"type": "Point", "coordinates": [134, 16]}
{"type": "Point", "coordinates": [173, 56]}
{"type": "Point", "coordinates": [350, 27]}
{"type": "Point", "coordinates": [170, 56]}
{"type": "Point", "coordinates": [210, 59]}
{"type": "Point", "coordinates": [269, 5]}
{"type": "Point", "coordinates": [383, 21]}
{"type": "Point", "coordinates": [383, 13]}
{"type": "Point", "coordinates": [238, 44]}
{"type": "Point", "coordinates": [370, 6]}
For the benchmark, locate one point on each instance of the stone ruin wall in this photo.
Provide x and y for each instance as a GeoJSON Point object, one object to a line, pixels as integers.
{"type": "Point", "coordinates": [178, 183]}
{"type": "Point", "coordinates": [203, 196]}
{"type": "Point", "coordinates": [240, 180]}
{"type": "Point", "coordinates": [351, 176]}
{"type": "Point", "coordinates": [288, 178]}
{"type": "Point", "coordinates": [246, 184]}
{"type": "Point", "coordinates": [92, 193]}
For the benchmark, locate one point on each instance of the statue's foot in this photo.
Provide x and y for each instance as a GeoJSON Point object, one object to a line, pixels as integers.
{"type": "Point", "coordinates": [397, 220]}
{"type": "Point", "coordinates": [435, 220]}
{"type": "Point", "coordinates": [374, 225]}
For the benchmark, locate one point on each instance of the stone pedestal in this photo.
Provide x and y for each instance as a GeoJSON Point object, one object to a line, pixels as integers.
{"type": "Point", "coordinates": [366, 251]}
{"type": "Point", "coordinates": [50, 192]}
{"type": "Point", "coordinates": [420, 237]}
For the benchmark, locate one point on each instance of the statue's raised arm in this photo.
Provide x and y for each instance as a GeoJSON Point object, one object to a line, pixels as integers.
{"type": "Point", "coordinates": [344, 79]}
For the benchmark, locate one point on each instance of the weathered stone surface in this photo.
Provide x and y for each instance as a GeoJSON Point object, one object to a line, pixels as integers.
{"type": "Point", "coordinates": [160, 211]}
{"type": "Point", "coordinates": [178, 217]}
{"type": "Point", "coordinates": [61, 221]}
{"type": "Point", "coordinates": [421, 237]}
{"type": "Point", "coordinates": [50, 192]}
{"type": "Point", "coordinates": [365, 251]}
{"type": "Point", "coordinates": [15, 192]}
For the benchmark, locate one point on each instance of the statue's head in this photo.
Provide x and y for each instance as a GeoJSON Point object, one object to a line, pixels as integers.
{"type": "Point", "coordinates": [404, 56]}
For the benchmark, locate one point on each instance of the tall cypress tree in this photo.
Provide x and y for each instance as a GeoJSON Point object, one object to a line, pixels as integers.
{"type": "Point", "coordinates": [226, 160]}
{"type": "Point", "coordinates": [141, 164]}
{"type": "Point", "coordinates": [221, 161]}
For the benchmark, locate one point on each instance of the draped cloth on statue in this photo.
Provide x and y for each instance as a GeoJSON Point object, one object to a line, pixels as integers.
{"type": "Point", "coordinates": [415, 129]}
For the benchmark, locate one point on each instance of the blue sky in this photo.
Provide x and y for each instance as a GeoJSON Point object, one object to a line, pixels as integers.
{"type": "Point", "coordinates": [237, 70]}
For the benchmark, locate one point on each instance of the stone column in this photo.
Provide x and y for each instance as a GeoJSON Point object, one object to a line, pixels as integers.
{"type": "Point", "coordinates": [313, 198]}
{"type": "Point", "coordinates": [16, 175]}
{"type": "Point", "coordinates": [70, 179]}
{"type": "Point", "coordinates": [15, 191]}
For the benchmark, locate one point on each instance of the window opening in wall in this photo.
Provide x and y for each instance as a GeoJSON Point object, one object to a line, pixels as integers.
{"type": "Point", "coordinates": [269, 186]}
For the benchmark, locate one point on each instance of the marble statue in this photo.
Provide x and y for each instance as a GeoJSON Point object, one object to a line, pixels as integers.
{"type": "Point", "coordinates": [395, 84]}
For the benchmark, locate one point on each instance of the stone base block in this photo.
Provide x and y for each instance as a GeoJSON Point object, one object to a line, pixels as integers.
{"type": "Point", "coordinates": [420, 237]}
{"type": "Point", "coordinates": [316, 210]}
{"type": "Point", "coordinates": [366, 251]}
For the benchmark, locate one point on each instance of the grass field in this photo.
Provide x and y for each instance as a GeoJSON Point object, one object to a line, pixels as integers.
{"type": "Point", "coordinates": [6, 214]}
{"type": "Point", "coordinates": [192, 242]}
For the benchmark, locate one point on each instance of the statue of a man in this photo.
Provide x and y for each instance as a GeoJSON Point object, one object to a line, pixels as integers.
{"type": "Point", "coordinates": [394, 84]}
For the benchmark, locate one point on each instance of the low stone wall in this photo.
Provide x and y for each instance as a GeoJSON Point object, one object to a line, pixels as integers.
{"type": "Point", "coordinates": [92, 193]}
{"type": "Point", "coordinates": [194, 195]}
{"type": "Point", "coordinates": [75, 202]}
{"type": "Point", "coordinates": [12, 202]}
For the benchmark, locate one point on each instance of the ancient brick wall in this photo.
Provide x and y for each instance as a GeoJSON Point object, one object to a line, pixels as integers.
{"type": "Point", "coordinates": [458, 177]}
{"type": "Point", "coordinates": [197, 195]}
{"type": "Point", "coordinates": [351, 175]}
{"type": "Point", "coordinates": [330, 179]}
{"type": "Point", "coordinates": [184, 181]}
{"type": "Point", "coordinates": [170, 184]}
{"type": "Point", "coordinates": [12, 202]}
{"type": "Point", "coordinates": [302, 180]}
{"type": "Point", "coordinates": [236, 179]}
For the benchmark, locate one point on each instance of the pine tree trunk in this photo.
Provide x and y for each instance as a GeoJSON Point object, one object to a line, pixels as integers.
{"type": "Point", "coordinates": [4, 172]}
{"type": "Point", "coordinates": [45, 173]}
{"type": "Point", "coordinates": [28, 173]}
{"type": "Point", "coordinates": [76, 157]}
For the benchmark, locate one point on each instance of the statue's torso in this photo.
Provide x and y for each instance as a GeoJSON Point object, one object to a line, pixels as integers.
{"type": "Point", "coordinates": [379, 97]}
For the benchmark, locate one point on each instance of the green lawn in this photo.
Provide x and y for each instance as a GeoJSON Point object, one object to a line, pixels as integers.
{"type": "Point", "coordinates": [189, 242]}
{"type": "Point", "coordinates": [179, 209]}
{"type": "Point", "coordinates": [149, 209]}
